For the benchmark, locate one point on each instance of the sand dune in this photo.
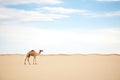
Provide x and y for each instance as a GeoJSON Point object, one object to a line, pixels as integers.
{"type": "Point", "coordinates": [61, 67]}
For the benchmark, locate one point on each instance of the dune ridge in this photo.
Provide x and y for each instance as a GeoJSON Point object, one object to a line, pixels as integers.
{"type": "Point", "coordinates": [65, 54]}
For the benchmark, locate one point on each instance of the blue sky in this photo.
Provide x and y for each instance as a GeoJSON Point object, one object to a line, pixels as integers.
{"type": "Point", "coordinates": [60, 26]}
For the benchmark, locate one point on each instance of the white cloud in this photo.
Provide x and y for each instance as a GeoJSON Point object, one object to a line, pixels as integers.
{"type": "Point", "coordinates": [102, 15]}
{"type": "Point", "coordinates": [62, 10]}
{"type": "Point", "coordinates": [108, 0]}
{"type": "Point", "coordinates": [55, 41]}
{"type": "Point", "coordinates": [8, 14]}
{"type": "Point", "coordinates": [6, 2]}
{"type": "Point", "coordinates": [115, 13]}
{"type": "Point", "coordinates": [33, 38]}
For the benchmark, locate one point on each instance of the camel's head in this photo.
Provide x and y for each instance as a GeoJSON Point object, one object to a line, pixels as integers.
{"type": "Point", "coordinates": [41, 50]}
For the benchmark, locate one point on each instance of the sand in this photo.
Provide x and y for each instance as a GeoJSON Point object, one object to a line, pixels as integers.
{"type": "Point", "coordinates": [61, 67]}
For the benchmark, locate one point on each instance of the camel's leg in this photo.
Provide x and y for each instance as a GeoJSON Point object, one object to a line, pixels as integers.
{"type": "Point", "coordinates": [25, 60]}
{"type": "Point", "coordinates": [35, 60]}
{"type": "Point", "coordinates": [28, 60]}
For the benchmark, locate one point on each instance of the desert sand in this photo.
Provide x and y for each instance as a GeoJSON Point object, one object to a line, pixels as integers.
{"type": "Point", "coordinates": [61, 67]}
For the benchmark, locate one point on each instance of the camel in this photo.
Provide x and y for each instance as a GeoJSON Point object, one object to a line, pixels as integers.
{"type": "Point", "coordinates": [34, 54]}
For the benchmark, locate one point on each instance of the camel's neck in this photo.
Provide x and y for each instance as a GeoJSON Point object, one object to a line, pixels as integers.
{"type": "Point", "coordinates": [39, 53]}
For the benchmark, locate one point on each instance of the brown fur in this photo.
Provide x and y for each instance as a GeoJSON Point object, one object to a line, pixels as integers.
{"type": "Point", "coordinates": [34, 54]}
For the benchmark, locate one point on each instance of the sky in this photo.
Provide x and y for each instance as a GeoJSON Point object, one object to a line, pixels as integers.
{"type": "Point", "coordinates": [60, 26]}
